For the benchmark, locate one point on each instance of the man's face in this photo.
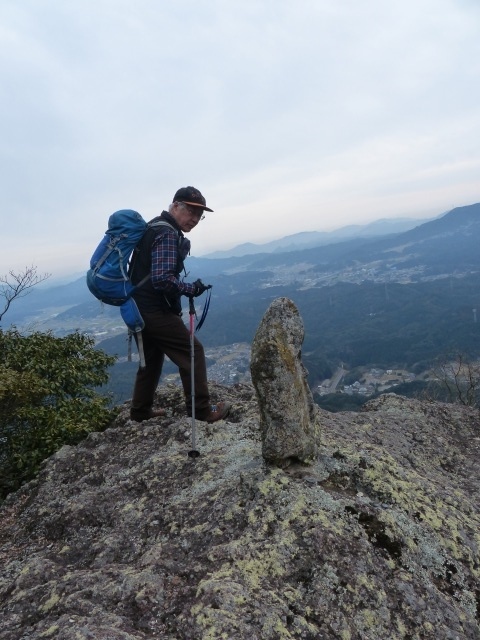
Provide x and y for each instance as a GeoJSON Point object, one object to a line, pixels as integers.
{"type": "Point", "coordinates": [186, 216]}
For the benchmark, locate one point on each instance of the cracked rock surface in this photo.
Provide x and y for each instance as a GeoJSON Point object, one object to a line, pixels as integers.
{"type": "Point", "coordinates": [125, 537]}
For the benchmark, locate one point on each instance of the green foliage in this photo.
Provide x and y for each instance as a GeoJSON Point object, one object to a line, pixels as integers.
{"type": "Point", "coordinates": [362, 325]}
{"type": "Point", "coordinates": [334, 402]}
{"type": "Point", "coordinates": [366, 325]}
{"type": "Point", "coordinates": [318, 368]}
{"type": "Point", "coordinates": [47, 399]}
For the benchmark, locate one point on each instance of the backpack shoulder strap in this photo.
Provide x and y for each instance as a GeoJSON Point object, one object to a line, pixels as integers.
{"type": "Point", "coordinates": [155, 224]}
{"type": "Point", "coordinates": [154, 227]}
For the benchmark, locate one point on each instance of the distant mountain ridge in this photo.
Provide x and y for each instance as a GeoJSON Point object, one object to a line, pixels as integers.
{"type": "Point", "coordinates": [397, 300]}
{"type": "Point", "coordinates": [64, 293]}
{"type": "Point", "coordinates": [444, 245]}
{"type": "Point", "coordinates": [310, 239]}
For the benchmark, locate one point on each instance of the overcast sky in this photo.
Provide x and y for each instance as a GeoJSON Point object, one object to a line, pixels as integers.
{"type": "Point", "coordinates": [289, 115]}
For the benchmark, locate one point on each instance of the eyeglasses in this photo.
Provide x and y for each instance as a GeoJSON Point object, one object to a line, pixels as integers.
{"type": "Point", "coordinates": [193, 211]}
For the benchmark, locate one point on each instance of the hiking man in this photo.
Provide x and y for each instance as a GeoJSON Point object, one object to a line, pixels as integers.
{"type": "Point", "coordinates": [161, 253]}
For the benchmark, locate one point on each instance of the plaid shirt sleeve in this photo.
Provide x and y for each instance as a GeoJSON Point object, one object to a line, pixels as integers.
{"type": "Point", "coordinates": [164, 265]}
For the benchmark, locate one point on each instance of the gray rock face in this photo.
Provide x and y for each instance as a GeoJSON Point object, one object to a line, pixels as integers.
{"type": "Point", "coordinates": [289, 418]}
{"type": "Point", "coordinates": [124, 537]}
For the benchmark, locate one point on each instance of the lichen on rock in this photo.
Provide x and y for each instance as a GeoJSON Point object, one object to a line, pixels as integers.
{"type": "Point", "coordinates": [125, 537]}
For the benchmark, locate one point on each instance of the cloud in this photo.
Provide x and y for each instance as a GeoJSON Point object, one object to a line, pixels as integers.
{"type": "Point", "coordinates": [315, 113]}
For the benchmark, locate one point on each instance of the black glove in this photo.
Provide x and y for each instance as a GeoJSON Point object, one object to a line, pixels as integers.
{"type": "Point", "coordinates": [200, 288]}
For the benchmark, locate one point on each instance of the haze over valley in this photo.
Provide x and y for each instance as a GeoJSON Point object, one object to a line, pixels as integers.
{"type": "Point", "coordinates": [378, 310]}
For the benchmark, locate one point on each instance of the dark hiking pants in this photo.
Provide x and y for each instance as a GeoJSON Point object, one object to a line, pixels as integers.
{"type": "Point", "coordinates": [165, 334]}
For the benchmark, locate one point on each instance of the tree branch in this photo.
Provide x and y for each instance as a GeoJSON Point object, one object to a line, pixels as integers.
{"type": "Point", "coordinates": [16, 285]}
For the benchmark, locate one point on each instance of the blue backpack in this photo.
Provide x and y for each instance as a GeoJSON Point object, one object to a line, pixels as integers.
{"type": "Point", "coordinates": [107, 277]}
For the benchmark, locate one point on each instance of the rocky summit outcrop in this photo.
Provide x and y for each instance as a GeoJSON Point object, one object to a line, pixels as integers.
{"type": "Point", "coordinates": [289, 418]}
{"type": "Point", "coordinates": [124, 537]}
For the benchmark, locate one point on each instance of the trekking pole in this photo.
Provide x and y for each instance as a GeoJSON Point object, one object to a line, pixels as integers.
{"type": "Point", "coordinates": [193, 453]}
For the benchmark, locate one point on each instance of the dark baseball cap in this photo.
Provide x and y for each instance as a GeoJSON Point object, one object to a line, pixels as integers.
{"type": "Point", "coordinates": [190, 195]}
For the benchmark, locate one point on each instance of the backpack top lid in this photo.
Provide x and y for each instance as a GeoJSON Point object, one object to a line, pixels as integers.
{"type": "Point", "coordinates": [126, 221]}
{"type": "Point", "coordinates": [125, 228]}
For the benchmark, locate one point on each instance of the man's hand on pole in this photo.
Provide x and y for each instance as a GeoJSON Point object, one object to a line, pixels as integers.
{"type": "Point", "coordinates": [200, 288]}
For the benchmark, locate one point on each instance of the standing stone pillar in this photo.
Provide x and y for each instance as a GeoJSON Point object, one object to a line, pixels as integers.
{"type": "Point", "coordinates": [289, 418]}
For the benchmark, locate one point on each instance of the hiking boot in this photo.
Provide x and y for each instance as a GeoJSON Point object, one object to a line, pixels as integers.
{"type": "Point", "coordinates": [218, 412]}
{"type": "Point", "coordinates": [140, 416]}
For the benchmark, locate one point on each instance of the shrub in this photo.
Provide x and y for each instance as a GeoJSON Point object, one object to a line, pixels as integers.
{"type": "Point", "coordinates": [47, 399]}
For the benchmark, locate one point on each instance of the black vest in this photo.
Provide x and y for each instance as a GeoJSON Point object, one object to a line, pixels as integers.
{"type": "Point", "coordinates": [146, 296]}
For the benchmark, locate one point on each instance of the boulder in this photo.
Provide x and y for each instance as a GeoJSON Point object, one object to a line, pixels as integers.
{"type": "Point", "coordinates": [289, 418]}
